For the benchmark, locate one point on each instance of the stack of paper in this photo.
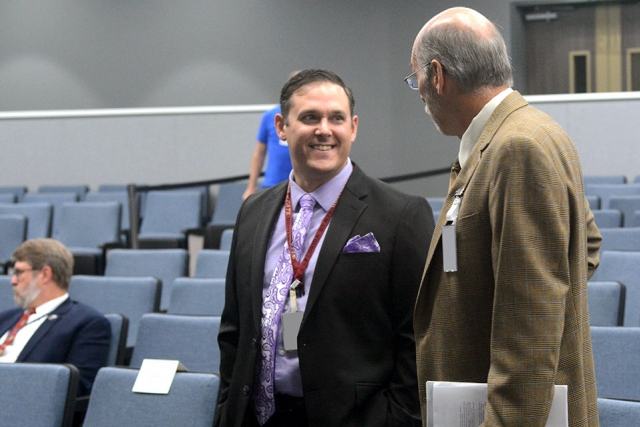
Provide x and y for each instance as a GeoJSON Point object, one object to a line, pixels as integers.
{"type": "Point", "coordinates": [451, 404]}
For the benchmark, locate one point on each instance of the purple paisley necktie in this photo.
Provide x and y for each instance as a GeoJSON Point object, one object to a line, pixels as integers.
{"type": "Point", "coordinates": [272, 308]}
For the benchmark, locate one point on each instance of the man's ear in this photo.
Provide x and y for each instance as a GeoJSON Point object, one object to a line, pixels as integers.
{"type": "Point", "coordinates": [438, 76]}
{"type": "Point", "coordinates": [280, 124]}
{"type": "Point", "coordinates": [47, 274]}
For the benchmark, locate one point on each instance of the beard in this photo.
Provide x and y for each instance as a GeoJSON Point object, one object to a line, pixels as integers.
{"type": "Point", "coordinates": [28, 295]}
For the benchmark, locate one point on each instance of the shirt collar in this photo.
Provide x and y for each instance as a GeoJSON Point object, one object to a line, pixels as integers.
{"type": "Point", "coordinates": [478, 123]}
{"type": "Point", "coordinates": [51, 305]}
{"type": "Point", "coordinates": [327, 193]}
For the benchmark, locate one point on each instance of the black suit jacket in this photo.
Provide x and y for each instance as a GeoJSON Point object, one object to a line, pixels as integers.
{"type": "Point", "coordinates": [356, 343]}
{"type": "Point", "coordinates": [73, 333]}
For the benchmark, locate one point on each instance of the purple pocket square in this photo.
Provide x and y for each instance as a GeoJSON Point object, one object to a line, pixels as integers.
{"type": "Point", "coordinates": [366, 243]}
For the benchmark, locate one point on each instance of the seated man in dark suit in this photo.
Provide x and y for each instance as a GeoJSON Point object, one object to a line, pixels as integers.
{"type": "Point", "coordinates": [47, 326]}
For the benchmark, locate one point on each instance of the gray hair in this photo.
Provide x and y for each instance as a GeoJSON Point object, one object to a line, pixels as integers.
{"type": "Point", "coordinates": [472, 62]}
{"type": "Point", "coordinates": [40, 252]}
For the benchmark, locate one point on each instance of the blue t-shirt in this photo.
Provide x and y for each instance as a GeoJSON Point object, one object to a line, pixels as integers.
{"type": "Point", "coordinates": [278, 160]}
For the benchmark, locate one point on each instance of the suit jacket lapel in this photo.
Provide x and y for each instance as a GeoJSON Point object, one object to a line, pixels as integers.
{"type": "Point", "coordinates": [511, 103]}
{"type": "Point", "coordinates": [50, 321]}
{"type": "Point", "coordinates": [264, 226]}
{"type": "Point", "coordinates": [349, 208]}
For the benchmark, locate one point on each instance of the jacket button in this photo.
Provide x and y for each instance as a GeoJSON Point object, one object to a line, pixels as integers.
{"type": "Point", "coordinates": [254, 343]}
{"type": "Point", "coordinates": [245, 390]}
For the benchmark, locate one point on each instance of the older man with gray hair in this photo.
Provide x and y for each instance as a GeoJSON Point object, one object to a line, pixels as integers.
{"type": "Point", "coordinates": [47, 326]}
{"type": "Point", "coordinates": [503, 300]}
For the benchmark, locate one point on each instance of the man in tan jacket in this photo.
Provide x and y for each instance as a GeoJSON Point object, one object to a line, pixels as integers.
{"type": "Point", "coordinates": [504, 295]}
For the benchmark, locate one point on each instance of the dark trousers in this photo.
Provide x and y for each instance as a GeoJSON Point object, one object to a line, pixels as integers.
{"type": "Point", "coordinates": [290, 412]}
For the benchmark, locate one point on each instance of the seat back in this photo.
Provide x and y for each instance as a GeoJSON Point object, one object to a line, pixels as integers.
{"type": "Point", "coordinates": [226, 238]}
{"type": "Point", "coordinates": [18, 191]}
{"type": "Point", "coordinates": [190, 339]}
{"type": "Point", "coordinates": [113, 196]}
{"type": "Point", "coordinates": [13, 231]}
{"type": "Point", "coordinates": [119, 330]}
{"type": "Point", "coordinates": [228, 202]}
{"type": "Point", "coordinates": [617, 365]}
{"type": "Point", "coordinates": [6, 293]}
{"type": "Point", "coordinates": [131, 296]}
{"type": "Point", "coordinates": [617, 413]}
{"type": "Point", "coordinates": [79, 190]}
{"type": "Point", "coordinates": [195, 296]}
{"type": "Point", "coordinates": [165, 264]}
{"type": "Point", "coordinates": [7, 198]}
{"type": "Point", "coordinates": [89, 224]}
{"type": "Point", "coordinates": [604, 179]}
{"type": "Point", "coordinates": [620, 239]}
{"type": "Point", "coordinates": [39, 217]}
{"type": "Point", "coordinates": [38, 394]}
{"type": "Point", "coordinates": [436, 203]}
{"type": "Point", "coordinates": [56, 200]}
{"type": "Point", "coordinates": [112, 187]}
{"type": "Point", "coordinates": [594, 201]}
{"type": "Point", "coordinates": [607, 218]}
{"type": "Point", "coordinates": [606, 303]}
{"type": "Point", "coordinates": [627, 205]}
{"type": "Point", "coordinates": [634, 221]}
{"type": "Point", "coordinates": [168, 213]}
{"type": "Point", "coordinates": [606, 191]}
{"type": "Point", "coordinates": [212, 263]}
{"type": "Point", "coordinates": [623, 267]}
{"type": "Point", "coordinates": [191, 401]}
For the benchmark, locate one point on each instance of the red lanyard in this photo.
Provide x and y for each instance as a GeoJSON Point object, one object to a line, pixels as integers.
{"type": "Point", "coordinates": [299, 268]}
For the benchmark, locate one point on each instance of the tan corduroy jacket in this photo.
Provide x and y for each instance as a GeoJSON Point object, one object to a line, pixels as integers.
{"type": "Point", "coordinates": [515, 313]}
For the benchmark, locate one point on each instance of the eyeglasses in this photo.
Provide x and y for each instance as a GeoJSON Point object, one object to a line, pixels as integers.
{"type": "Point", "coordinates": [412, 79]}
{"type": "Point", "coordinates": [19, 272]}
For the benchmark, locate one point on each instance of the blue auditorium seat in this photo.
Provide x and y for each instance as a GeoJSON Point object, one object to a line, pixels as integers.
{"type": "Point", "coordinates": [191, 401]}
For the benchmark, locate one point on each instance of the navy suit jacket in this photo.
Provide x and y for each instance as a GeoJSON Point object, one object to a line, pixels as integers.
{"type": "Point", "coordinates": [355, 346]}
{"type": "Point", "coordinates": [73, 333]}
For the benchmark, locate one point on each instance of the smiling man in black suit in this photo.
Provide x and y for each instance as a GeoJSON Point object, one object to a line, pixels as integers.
{"type": "Point", "coordinates": [317, 326]}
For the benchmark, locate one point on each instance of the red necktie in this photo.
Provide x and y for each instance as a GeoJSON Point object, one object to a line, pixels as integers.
{"type": "Point", "coordinates": [14, 331]}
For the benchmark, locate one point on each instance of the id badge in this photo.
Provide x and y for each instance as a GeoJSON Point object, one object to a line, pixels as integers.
{"type": "Point", "coordinates": [290, 327]}
{"type": "Point", "coordinates": [449, 249]}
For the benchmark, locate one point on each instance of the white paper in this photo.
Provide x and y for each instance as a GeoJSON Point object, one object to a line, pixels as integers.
{"type": "Point", "coordinates": [451, 404]}
{"type": "Point", "coordinates": [156, 376]}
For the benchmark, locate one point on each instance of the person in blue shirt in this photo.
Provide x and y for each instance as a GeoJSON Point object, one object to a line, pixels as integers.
{"type": "Point", "coordinates": [269, 146]}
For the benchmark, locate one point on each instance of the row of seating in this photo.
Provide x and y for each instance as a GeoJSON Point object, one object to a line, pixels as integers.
{"type": "Point", "coordinates": [626, 212]}
{"type": "Point", "coordinates": [44, 395]}
{"type": "Point", "coordinates": [616, 303]}
{"type": "Point", "coordinates": [146, 281]}
{"type": "Point", "coordinates": [609, 179]}
{"type": "Point", "coordinates": [614, 218]}
{"type": "Point", "coordinates": [86, 228]}
{"type": "Point", "coordinates": [137, 296]}
{"type": "Point", "coordinates": [615, 348]}
{"type": "Point", "coordinates": [192, 398]}
{"type": "Point", "coordinates": [228, 194]}
{"type": "Point", "coordinates": [101, 219]}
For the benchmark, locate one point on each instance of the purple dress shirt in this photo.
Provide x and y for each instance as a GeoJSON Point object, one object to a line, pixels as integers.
{"type": "Point", "coordinates": [287, 369]}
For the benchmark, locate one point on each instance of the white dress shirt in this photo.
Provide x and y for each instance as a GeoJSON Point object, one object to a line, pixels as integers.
{"type": "Point", "coordinates": [23, 336]}
{"type": "Point", "coordinates": [477, 125]}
